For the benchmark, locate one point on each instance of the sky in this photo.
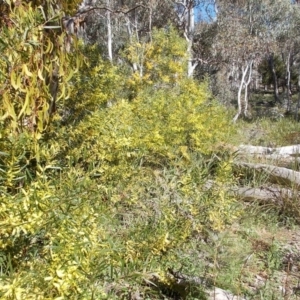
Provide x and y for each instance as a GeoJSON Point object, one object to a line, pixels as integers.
{"type": "Point", "coordinates": [205, 12]}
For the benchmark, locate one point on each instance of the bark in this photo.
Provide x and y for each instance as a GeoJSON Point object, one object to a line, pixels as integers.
{"type": "Point", "coordinates": [190, 32]}
{"type": "Point", "coordinates": [130, 36]}
{"type": "Point", "coordinates": [187, 19]}
{"type": "Point", "coordinates": [263, 194]}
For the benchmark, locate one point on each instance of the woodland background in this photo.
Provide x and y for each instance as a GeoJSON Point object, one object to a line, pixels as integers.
{"type": "Point", "coordinates": [121, 174]}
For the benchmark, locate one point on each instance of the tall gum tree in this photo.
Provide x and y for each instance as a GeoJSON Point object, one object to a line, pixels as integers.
{"type": "Point", "coordinates": [247, 33]}
{"type": "Point", "coordinates": [239, 47]}
{"type": "Point", "coordinates": [288, 42]}
{"type": "Point", "coordinates": [190, 14]}
{"type": "Point", "coordinates": [126, 21]}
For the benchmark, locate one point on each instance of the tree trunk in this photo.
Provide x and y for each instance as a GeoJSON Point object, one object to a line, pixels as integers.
{"type": "Point", "coordinates": [109, 33]}
{"type": "Point", "coordinates": [246, 104]}
{"type": "Point", "coordinates": [286, 151]}
{"type": "Point", "coordinates": [275, 80]}
{"type": "Point", "coordinates": [266, 194]}
{"type": "Point", "coordinates": [190, 33]}
{"type": "Point", "coordinates": [288, 81]}
{"type": "Point", "coordinates": [191, 65]}
{"type": "Point", "coordinates": [240, 104]}
{"type": "Point", "coordinates": [129, 31]}
{"type": "Point", "coordinates": [298, 102]}
{"type": "Point", "coordinates": [187, 18]}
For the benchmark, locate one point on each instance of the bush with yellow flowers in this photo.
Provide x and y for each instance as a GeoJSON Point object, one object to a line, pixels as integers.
{"type": "Point", "coordinates": [118, 190]}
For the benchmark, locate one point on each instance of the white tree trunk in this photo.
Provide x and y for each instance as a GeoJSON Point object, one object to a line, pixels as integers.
{"type": "Point", "coordinates": [129, 31]}
{"type": "Point", "coordinates": [288, 80]}
{"type": "Point", "coordinates": [191, 64]}
{"type": "Point", "coordinates": [244, 73]}
{"type": "Point", "coordinates": [216, 8]}
{"type": "Point", "coordinates": [281, 152]}
{"type": "Point", "coordinates": [191, 29]}
{"type": "Point", "coordinates": [266, 194]}
{"type": "Point", "coordinates": [109, 33]}
{"type": "Point", "coordinates": [298, 101]}
{"type": "Point", "coordinates": [246, 104]}
{"type": "Point", "coordinates": [187, 18]}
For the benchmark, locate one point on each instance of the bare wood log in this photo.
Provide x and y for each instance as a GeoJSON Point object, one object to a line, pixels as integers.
{"type": "Point", "coordinates": [286, 151]}
{"type": "Point", "coordinates": [263, 194]}
{"type": "Point", "coordinates": [220, 294]}
{"type": "Point", "coordinates": [293, 150]}
{"type": "Point", "coordinates": [276, 174]}
{"type": "Point", "coordinates": [254, 150]}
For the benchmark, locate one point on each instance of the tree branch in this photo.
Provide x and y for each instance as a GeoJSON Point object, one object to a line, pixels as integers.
{"type": "Point", "coordinates": [108, 9]}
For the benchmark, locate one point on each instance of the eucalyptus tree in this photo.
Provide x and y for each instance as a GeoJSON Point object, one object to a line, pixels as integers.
{"type": "Point", "coordinates": [194, 20]}
{"type": "Point", "coordinates": [296, 52]}
{"type": "Point", "coordinates": [239, 45]}
{"type": "Point", "coordinates": [289, 41]}
{"type": "Point", "coordinates": [248, 31]}
{"type": "Point", "coordinates": [113, 24]}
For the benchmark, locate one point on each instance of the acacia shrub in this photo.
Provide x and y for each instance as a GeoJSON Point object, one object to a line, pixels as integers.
{"type": "Point", "coordinates": [35, 69]}
{"type": "Point", "coordinates": [119, 193]}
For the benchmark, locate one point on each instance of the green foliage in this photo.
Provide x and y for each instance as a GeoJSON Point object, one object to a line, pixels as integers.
{"type": "Point", "coordinates": [17, 166]}
{"type": "Point", "coordinates": [128, 185]}
{"type": "Point", "coordinates": [264, 69]}
{"type": "Point", "coordinates": [158, 123]}
{"type": "Point", "coordinates": [103, 204]}
{"type": "Point", "coordinates": [102, 85]}
{"type": "Point", "coordinates": [280, 69]}
{"type": "Point", "coordinates": [34, 68]}
{"type": "Point", "coordinates": [161, 61]}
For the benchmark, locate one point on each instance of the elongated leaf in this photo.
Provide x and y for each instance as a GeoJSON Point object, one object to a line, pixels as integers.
{"type": "Point", "coordinates": [13, 80]}
{"type": "Point", "coordinates": [25, 106]}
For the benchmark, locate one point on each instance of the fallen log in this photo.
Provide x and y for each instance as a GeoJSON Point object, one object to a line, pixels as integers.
{"type": "Point", "coordinates": [286, 151]}
{"type": "Point", "coordinates": [278, 175]}
{"type": "Point", "coordinates": [200, 287]}
{"type": "Point", "coordinates": [254, 150]}
{"type": "Point", "coordinates": [220, 294]}
{"type": "Point", "coordinates": [263, 194]}
{"type": "Point", "coordinates": [282, 156]}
